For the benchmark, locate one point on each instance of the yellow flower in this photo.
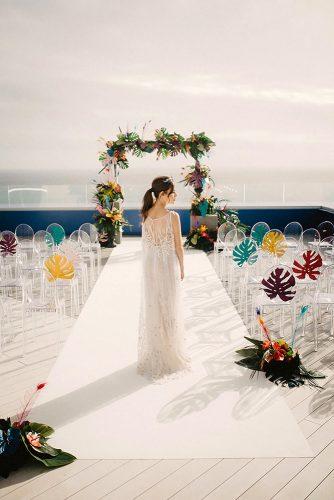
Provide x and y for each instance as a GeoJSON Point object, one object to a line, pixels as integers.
{"type": "Point", "coordinates": [203, 228]}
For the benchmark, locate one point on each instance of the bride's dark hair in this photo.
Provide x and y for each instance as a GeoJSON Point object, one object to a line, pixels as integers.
{"type": "Point", "coordinates": [159, 184]}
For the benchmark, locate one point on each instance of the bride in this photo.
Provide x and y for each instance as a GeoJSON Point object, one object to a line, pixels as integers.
{"type": "Point", "coordinates": [161, 336]}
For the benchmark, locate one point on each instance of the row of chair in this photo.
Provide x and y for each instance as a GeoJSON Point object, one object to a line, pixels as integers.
{"type": "Point", "coordinates": [273, 269]}
{"type": "Point", "coordinates": [41, 271]}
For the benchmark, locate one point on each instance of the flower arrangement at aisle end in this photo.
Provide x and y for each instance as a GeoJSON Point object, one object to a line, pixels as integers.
{"type": "Point", "coordinates": [201, 237]}
{"type": "Point", "coordinates": [109, 219]}
{"type": "Point", "coordinates": [279, 361]}
{"type": "Point", "coordinates": [21, 441]}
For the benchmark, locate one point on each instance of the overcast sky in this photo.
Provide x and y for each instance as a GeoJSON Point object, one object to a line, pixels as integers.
{"type": "Point", "coordinates": [256, 75]}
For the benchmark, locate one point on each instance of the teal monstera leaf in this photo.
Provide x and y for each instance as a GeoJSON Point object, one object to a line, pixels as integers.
{"type": "Point", "coordinates": [57, 232]}
{"type": "Point", "coordinates": [258, 233]}
{"type": "Point", "coordinates": [245, 252]}
{"type": "Point", "coordinates": [203, 207]}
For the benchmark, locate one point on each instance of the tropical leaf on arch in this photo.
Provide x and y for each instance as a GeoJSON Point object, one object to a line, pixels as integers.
{"type": "Point", "coordinates": [8, 244]}
{"type": "Point", "coordinates": [244, 252]}
{"type": "Point", "coordinates": [59, 267]}
{"type": "Point", "coordinates": [275, 243]}
{"type": "Point", "coordinates": [310, 267]}
{"type": "Point", "coordinates": [280, 284]}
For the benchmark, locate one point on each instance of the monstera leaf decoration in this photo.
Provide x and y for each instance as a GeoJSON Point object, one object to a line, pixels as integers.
{"type": "Point", "coordinates": [57, 232]}
{"type": "Point", "coordinates": [59, 267]}
{"type": "Point", "coordinates": [8, 244]}
{"type": "Point", "coordinates": [258, 233]}
{"type": "Point", "coordinates": [309, 267]}
{"type": "Point", "coordinates": [245, 252]}
{"type": "Point", "coordinates": [280, 284]}
{"type": "Point", "coordinates": [274, 242]}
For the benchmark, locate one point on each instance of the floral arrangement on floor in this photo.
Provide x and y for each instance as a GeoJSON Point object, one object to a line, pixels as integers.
{"type": "Point", "coordinates": [108, 221]}
{"type": "Point", "coordinates": [279, 361]}
{"type": "Point", "coordinates": [109, 217]}
{"type": "Point", "coordinates": [22, 440]}
{"type": "Point", "coordinates": [201, 238]}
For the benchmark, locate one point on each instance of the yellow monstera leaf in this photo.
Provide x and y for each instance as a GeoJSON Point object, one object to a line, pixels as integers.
{"type": "Point", "coordinates": [274, 242]}
{"type": "Point", "coordinates": [59, 267]}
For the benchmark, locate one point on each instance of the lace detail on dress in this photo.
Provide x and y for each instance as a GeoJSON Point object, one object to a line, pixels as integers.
{"type": "Point", "coordinates": [161, 339]}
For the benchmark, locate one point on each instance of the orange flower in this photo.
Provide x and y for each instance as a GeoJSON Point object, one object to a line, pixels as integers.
{"type": "Point", "coordinates": [266, 345]}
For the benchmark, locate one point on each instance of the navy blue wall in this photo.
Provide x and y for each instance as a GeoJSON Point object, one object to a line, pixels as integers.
{"type": "Point", "coordinates": [71, 219]}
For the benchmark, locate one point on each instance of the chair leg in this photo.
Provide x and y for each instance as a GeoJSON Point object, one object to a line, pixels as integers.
{"type": "Point", "coordinates": [315, 326]}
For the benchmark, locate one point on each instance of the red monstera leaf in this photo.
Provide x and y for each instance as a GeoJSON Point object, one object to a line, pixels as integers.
{"type": "Point", "coordinates": [8, 244]}
{"type": "Point", "coordinates": [309, 267]}
{"type": "Point", "coordinates": [280, 283]}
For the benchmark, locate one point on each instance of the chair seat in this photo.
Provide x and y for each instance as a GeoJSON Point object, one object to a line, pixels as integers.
{"type": "Point", "coordinates": [264, 300]}
{"type": "Point", "coordinates": [254, 280]}
{"type": "Point", "coordinates": [11, 282]}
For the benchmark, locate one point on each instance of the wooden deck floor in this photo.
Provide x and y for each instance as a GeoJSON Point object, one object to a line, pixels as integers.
{"type": "Point", "coordinates": [224, 479]}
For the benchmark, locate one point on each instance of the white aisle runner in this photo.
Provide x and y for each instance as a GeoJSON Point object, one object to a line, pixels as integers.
{"type": "Point", "coordinates": [101, 408]}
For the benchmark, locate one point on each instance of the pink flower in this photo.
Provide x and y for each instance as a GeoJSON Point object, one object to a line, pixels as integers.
{"type": "Point", "coordinates": [33, 439]}
{"type": "Point", "coordinates": [100, 209]}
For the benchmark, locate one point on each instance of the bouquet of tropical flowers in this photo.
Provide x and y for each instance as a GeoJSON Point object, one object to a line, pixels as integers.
{"type": "Point", "coordinates": [201, 237]}
{"type": "Point", "coordinates": [196, 176]}
{"type": "Point", "coordinates": [107, 192]}
{"type": "Point", "coordinates": [203, 205]}
{"type": "Point", "coordinates": [22, 440]}
{"type": "Point", "coordinates": [279, 361]}
{"type": "Point", "coordinates": [108, 221]}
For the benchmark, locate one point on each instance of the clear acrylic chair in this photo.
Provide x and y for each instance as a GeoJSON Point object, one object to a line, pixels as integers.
{"type": "Point", "coordinates": [87, 254]}
{"type": "Point", "coordinates": [95, 246]}
{"type": "Point", "coordinates": [9, 251]}
{"type": "Point", "coordinates": [323, 298]}
{"type": "Point", "coordinates": [310, 239]}
{"type": "Point", "coordinates": [60, 275]}
{"type": "Point", "coordinates": [232, 238]}
{"type": "Point", "coordinates": [218, 245]}
{"type": "Point", "coordinates": [326, 249]}
{"type": "Point", "coordinates": [244, 255]}
{"type": "Point", "coordinates": [274, 242]}
{"type": "Point", "coordinates": [278, 293]}
{"type": "Point", "coordinates": [258, 231]}
{"type": "Point", "coordinates": [24, 235]}
{"type": "Point", "coordinates": [293, 230]}
{"type": "Point", "coordinates": [43, 244]}
{"type": "Point", "coordinates": [52, 302]}
{"type": "Point", "coordinates": [72, 251]}
{"type": "Point", "coordinates": [57, 232]}
{"type": "Point", "coordinates": [326, 229]}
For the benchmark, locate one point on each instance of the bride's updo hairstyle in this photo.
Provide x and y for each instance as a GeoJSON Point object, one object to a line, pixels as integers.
{"type": "Point", "coordinates": [159, 184]}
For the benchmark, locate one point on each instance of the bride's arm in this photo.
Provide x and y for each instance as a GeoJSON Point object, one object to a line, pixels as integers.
{"type": "Point", "coordinates": [178, 240]}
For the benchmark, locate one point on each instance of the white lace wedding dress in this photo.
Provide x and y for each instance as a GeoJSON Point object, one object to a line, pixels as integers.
{"type": "Point", "coordinates": [161, 336]}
